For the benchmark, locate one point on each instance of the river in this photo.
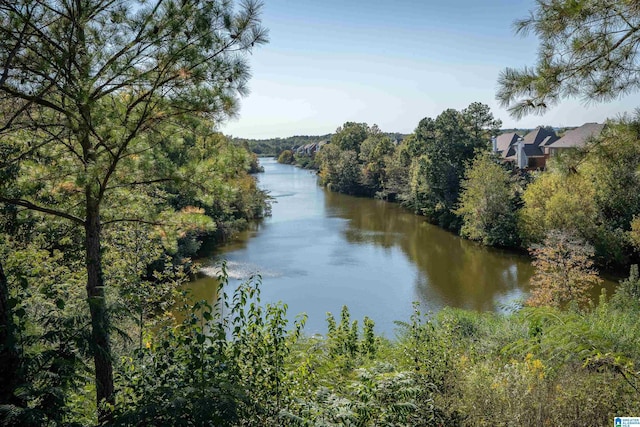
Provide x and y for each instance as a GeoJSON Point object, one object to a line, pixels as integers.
{"type": "Point", "coordinates": [321, 250]}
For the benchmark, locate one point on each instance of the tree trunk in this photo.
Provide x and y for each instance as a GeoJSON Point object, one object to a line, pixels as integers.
{"type": "Point", "coordinates": [99, 316]}
{"type": "Point", "coordinates": [9, 359]}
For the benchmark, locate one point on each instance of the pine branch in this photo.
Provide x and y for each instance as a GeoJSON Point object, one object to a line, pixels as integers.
{"type": "Point", "coordinates": [29, 205]}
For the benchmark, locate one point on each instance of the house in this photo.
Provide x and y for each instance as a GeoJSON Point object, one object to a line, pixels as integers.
{"type": "Point", "coordinates": [533, 150]}
{"type": "Point", "coordinates": [576, 138]}
{"type": "Point", "coordinates": [501, 143]}
{"type": "Point", "coordinates": [528, 152]}
{"type": "Point", "coordinates": [307, 149]}
{"type": "Point", "coordinates": [311, 148]}
{"type": "Point", "coordinates": [322, 144]}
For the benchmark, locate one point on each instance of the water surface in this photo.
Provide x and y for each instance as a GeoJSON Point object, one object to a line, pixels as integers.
{"type": "Point", "coordinates": [321, 250]}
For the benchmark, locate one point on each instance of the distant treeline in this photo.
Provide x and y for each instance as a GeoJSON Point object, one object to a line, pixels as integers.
{"type": "Point", "coordinates": [275, 146]}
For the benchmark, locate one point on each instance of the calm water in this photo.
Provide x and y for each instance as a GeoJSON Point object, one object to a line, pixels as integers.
{"type": "Point", "coordinates": [321, 250]}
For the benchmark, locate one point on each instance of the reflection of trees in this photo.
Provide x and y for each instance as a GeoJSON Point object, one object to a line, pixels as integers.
{"type": "Point", "coordinates": [456, 272]}
{"type": "Point", "coordinates": [219, 243]}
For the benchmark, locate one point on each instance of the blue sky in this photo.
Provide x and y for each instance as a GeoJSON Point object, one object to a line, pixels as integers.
{"type": "Point", "coordinates": [390, 63]}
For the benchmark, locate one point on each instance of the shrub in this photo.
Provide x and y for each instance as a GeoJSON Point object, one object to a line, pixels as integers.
{"type": "Point", "coordinates": [564, 271]}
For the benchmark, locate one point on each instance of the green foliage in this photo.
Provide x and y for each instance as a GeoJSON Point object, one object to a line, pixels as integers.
{"type": "Point", "coordinates": [306, 162]}
{"type": "Point", "coordinates": [587, 49]}
{"type": "Point", "coordinates": [557, 201]}
{"type": "Point", "coordinates": [574, 367]}
{"type": "Point", "coordinates": [592, 193]}
{"type": "Point", "coordinates": [286, 157]}
{"type": "Point", "coordinates": [274, 146]}
{"type": "Point", "coordinates": [480, 123]}
{"type": "Point", "coordinates": [397, 170]}
{"type": "Point", "coordinates": [369, 343]}
{"type": "Point", "coordinates": [340, 170]}
{"type": "Point", "coordinates": [344, 343]}
{"type": "Point", "coordinates": [627, 294]}
{"type": "Point", "coordinates": [634, 233]}
{"type": "Point", "coordinates": [440, 153]}
{"type": "Point", "coordinates": [374, 153]}
{"type": "Point", "coordinates": [488, 203]}
{"type": "Point", "coordinates": [220, 365]}
{"type": "Point", "coordinates": [425, 351]}
{"type": "Point", "coordinates": [237, 363]}
{"type": "Point", "coordinates": [424, 172]}
{"type": "Point", "coordinates": [328, 160]}
{"type": "Point", "coordinates": [612, 166]}
{"type": "Point", "coordinates": [49, 338]}
{"type": "Point", "coordinates": [349, 176]}
{"type": "Point", "coordinates": [350, 378]}
{"type": "Point", "coordinates": [350, 135]}
{"type": "Point", "coordinates": [355, 160]}
{"type": "Point", "coordinates": [100, 102]}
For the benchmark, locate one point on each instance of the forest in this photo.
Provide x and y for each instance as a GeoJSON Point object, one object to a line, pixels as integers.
{"type": "Point", "coordinates": [112, 174]}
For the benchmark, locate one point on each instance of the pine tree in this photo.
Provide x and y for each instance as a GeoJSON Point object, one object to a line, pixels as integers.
{"type": "Point", "coordinates": [87, 91]}
{"type": "Point", "coordinates": [587, 49]}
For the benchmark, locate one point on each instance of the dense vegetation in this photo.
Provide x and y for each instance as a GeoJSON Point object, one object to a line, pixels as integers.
{"type": "Point", "coordinates": [109, 160]}
{"type": "Point", "coordinates": [111, 174]}
{"type": "Point", "coordinates": [286, 157]}
{"type": "Point", "coordinates": [274, 146]}
{"type": "Point", "coordinates": [45, 316]}
{"type": "Point", "coordinates": [238, 363]}
{"type": "Point", "coordinates": [446, 171]}
{"type": "Point", "coordinates": [424, 172]}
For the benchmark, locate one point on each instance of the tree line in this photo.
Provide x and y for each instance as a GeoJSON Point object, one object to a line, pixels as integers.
{"type": "Point", "coordinates": [274, 146]}
{"type": "Point", "coordinates": [446, 170]}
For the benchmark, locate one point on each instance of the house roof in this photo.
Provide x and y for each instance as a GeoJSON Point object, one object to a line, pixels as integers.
{"type": "Point", "coordinates": [504, 141]}
{"type": "Point", "coordinates": [534, 145]}
{"type": "Point", "coordinates": [578, 137]}
{"type": "Point", "coordinates": [548, 140]}
{"type": "Point", "coordinates": [533, 151]}
{"type": "Point", "coordinates": [510, 153]}
{"type": "Point", "coordinates": [529, 150]}
{"type": "Point", "coordinates": [540, 136]}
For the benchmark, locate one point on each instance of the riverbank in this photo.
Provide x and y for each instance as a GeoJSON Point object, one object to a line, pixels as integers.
{"type": "Point", "coordinates": [457, 367]}
{"type": "Point", "coordinates": [320, 250]}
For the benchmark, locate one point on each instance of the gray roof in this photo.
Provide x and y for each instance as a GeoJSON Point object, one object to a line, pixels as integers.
{"type": "Point", "coordinates": [510, 153]}
{"type": "Point", "coordinates": [504, 141]}
{"type": "Point", "coordinates": [534, 142]}
{"type": "Point", "coordinates": [578, 137]}
{"type": "Point", "coordinates": [533, 151]}
{"type": "Point", "coordinates": [529, 150]}
{"type": "Point", "coordinates": [548, 140]}
{"type": "Point", "coordinates": [540, 136]}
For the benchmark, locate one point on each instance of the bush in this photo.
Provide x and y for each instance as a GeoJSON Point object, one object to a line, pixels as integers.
{"type": "Point", "coordinates": [488, 203]}
{"type": "Point", "coordinates": [563, 271]}
{"type": "Point", "coordinates": [286, 157]}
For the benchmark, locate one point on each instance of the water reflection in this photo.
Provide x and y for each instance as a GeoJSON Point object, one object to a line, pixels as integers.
{"type": "Point", "coordinates": [454, 272]}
